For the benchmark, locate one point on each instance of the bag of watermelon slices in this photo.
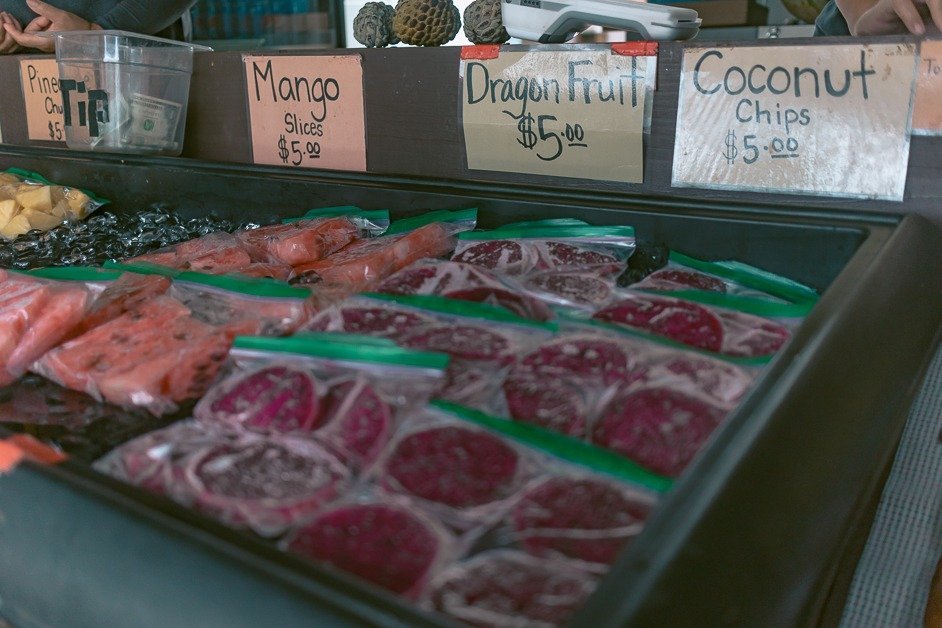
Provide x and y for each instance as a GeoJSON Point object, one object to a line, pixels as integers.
{"type": "Point", "coordinates": [245, 306]}
{"type": "Point", "coordinates": [370, 222]}
{"type": "Point", "coordinates": [483, 341]}
{"type": "Point", "coordinates": [36, 314]}
{"type": "Point", "coordinates": [344, 392]}
{"type": "Point", "coordinates": [520, 250]}
{"type": "Point", "coordinates": [687, 275]}
{"type": "Point", "coordinates": [464, 282]}
{"type": "Point", "coordinates": [377, 540]}
{"type": "Point", "coordinates": [365, 263]}
{"type": "Point", "coordinates": [266, 483]}
{"type": "Point", "coordinates": [747, 328]}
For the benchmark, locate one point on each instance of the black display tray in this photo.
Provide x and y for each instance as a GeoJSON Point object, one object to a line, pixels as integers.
{"type": "Point", "coordinates": [755, 533]}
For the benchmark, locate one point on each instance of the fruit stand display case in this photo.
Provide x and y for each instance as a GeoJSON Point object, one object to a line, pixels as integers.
{"type": "Point", "coordinates": [761, 529]}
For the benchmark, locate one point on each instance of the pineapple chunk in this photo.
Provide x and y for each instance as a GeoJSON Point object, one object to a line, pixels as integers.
{"type": "Point", "coordinates": [78, 201]}
{"type": "Point", "coordinates": [37, 197]}
{"type": "Point", "coordinates": [41, 220]}
{"type": "Point", "coordinates": [8, 178]}
{"type": "Point", "coordinates": [61, 209]}
{"type": "Point", "coordinates": [17, 226]}
{"type": "Point", "coordinates": [8, 210]}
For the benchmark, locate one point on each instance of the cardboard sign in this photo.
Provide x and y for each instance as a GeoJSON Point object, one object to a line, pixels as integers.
{"type": "Point", "coordinates": [823, 120]}
{"type": "Point", "coordinates": [927, 107]}
{"type": "Point", "coordinates": [42, 99]}
{"type": "Point", "coordinates": [307, 111]}
{"type": "Point", "coordinates": [568, 114]}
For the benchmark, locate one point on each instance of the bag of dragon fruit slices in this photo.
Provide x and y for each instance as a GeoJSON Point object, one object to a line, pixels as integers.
{"type": "Point", "coordinates": [483, 341]}
{"type": "Point", "coordinates": [464, 282]}
{"type": "Point", "coordinates": [638, 396]}
{"type": "Point", "coordinates": [746, 328]}
{"type": "Point", "coordinates": [453, 470]}
{"type": "Point", "coordinates": [380, 541]}
{"type": "Point", "coordinates": [571, 505]}
{"type": "Point", "coordinates": [521, 250]}
{"type": "Point", "coordinates": [248, 306]}
{"type": "Point", "coordinates": [343, 392]}
{"type": "Point", "coordinates": [370, 222]}
{"type": "Point", "coordinates": [684, 274]}
{"type": "Point", "coordinates": [267, 483]}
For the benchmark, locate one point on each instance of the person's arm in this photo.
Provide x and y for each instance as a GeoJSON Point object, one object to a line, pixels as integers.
{"type": "Point", "coordinates": [50, 19]}
{"type": "Point", "coordinates": [886, 17]}
{"type": "Point", "coordinates": [145, 16]}
{"type": "Point", "coordinates": [7, 43]}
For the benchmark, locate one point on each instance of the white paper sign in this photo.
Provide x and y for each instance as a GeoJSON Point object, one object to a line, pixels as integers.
{"type": "Point", "coordinates": [823, 120]}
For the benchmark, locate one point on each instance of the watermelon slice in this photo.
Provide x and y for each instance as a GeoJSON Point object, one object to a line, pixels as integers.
{"type": "Point", "coordinates": [298, 242]}
{"type": "Point", "coordinates": [122, 295]}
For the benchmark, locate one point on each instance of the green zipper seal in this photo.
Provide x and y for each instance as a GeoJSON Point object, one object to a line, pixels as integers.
{"type": "Point", "coordinates": [345, 338]}
{"type": "Point", "coordinates": [252, 286]}
{"type": "Point", "coordinates": [748, 305]}
{"type": "Point", "coordinates": [563, 447]}
{"type": "Point", "coordinates": [75, 273]}
{"type": "Point", "coordinates": [548, 222]}
{"type": "Point", "coordinates": [344, 352]}
{"type": "Point", "coordinates": [142, 268]}
{"type": "Point", "coordinates": [573, 231]}
{"type": "Point", "coordinates": [457, 307]}
{"type": "Point", "coordinates": [403, 225]}
{"type": "Point", "coordinates": [751, 277]}
{"type": "Point", "coordinates": [640, 334]}
{"type": "Point", "coordinates": [35, 177]}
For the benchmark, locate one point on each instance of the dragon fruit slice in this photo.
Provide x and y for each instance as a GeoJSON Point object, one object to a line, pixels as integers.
{"type": "Point", "coordinates": [383, 544]}
{"type": "Point", "coordinates": [721, 381]}
{"type": "Point", "coordinates": [266, 484]}
{"type": "Point", "coordinates": [582, 518]}
{"type": "Point", "coordinates": [520, 304]}
{"type": "Point", "coordinates": [411, 281]}
{"type": "Point", "coordinates": [277, 397]}
{"type": "Point", "coordinates": [359, 420]}
{"type": "Point", "coordinates": [467, 384]}
{"type": "Point", "coordinates": [751, 336]}
{"type": "Point", "coordinates": [564, 255]}
{"type": "Point", "coordinates": [557, 405]}
{"type": "Point", "coordinates": [454, 466]}
{"type": "Point", "coordinates": [509, 589]}
{"type": "Point", "coordinates": [575, 288]}
{"type": "Point", "coordinates": [504, 256]}
{"type": "Point", "coordinates": [378, 321]}
{"type": "Point", "coordinates": [587, 357]}
{"type": "Point", "coordinates": [683, 321]}
{"type": "Point", "coordinates": [659, 428]}
{"type": "Point", "coordinates": [460, 341]}
{"type": "Point", "coordinates": [676, 279]}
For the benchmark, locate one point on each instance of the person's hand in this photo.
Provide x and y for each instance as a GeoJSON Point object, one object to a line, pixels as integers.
{"type": "Point", "coordinates": [888, 17]}
{"type": "Point", "coordinates": [7, 43]}
{"type": "Point", "coordinates": [50, 19]}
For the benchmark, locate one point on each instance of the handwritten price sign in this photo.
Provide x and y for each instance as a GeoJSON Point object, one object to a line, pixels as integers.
{"type": "Point", "coordinates": [307, 111]}
{"type": "Point", "coordinates": [569, 114]}
{"type": "Point", "coordinates": [42, 99]}
{"type": "Point", "coordinates": [827, 120]}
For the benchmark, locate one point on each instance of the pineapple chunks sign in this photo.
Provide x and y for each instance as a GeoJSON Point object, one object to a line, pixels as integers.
{"type": "Point", "coordinates": [829, 120]}
{"type": "Point", "coordinates": [42, 99]}
{"type": "Point", "coordinates": [307, 111]}
{"type": "Point", "coordinates": [573, 113]}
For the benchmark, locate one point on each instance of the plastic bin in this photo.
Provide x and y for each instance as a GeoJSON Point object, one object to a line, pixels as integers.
{"type": "Point", "coordinates": [123, 92]}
